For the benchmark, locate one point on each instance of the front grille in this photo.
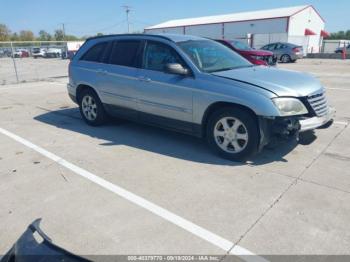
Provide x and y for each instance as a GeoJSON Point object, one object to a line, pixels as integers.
{"type": "Point", "coordinates": [319, 104]}
{"type": "Point", "coordinates": [269, 60]}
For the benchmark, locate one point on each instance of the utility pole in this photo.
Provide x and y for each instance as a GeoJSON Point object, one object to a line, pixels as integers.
{"type": "Point", "coordinates": [127, 11]}
{"type": "Point", "coordinates": [64, 31]}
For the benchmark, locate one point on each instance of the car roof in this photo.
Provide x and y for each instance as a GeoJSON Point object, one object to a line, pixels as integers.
{"type": "Point", "coordinates": [171, 37]}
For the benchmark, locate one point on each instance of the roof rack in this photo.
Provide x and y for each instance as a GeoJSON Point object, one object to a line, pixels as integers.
{"type": "Point", "coordinates": [112, 35]}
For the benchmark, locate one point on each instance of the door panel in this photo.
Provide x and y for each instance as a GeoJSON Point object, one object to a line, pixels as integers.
{"type": "Point", "coordinates": [119, 75]}
{"type": "Point", "coordinates": [163, 94]}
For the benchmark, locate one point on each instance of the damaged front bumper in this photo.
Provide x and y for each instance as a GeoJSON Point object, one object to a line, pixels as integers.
{"type": "Point", "coordinates": [316, 122]}
{"type": "Point", "coordinates": [290, 127]}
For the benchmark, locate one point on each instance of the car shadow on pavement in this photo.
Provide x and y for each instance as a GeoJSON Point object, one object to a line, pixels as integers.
{"type": "Point", "coordinates": [157, 140]}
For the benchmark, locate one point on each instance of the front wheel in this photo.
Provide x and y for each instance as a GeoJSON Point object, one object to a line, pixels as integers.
{"type": "Point", "coordinates": [91, 108]}
{"type": "Point", "coordinates": [233, 133]}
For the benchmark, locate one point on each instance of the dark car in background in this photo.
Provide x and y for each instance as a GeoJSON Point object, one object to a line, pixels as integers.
{"type": "Point", "coordinates": [256, 57]}
{"type": "Point", "coordinates": [285, 52]}
{"type": "Point", "coordinates": [341, 49]}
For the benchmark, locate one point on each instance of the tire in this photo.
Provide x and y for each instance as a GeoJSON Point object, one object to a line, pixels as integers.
{"type": "Point", "coordinates": [240, 124]}
{"type": "Point", "coordinates": [91, 108]}
{"type": "Point", "coordinates": [285, 59]}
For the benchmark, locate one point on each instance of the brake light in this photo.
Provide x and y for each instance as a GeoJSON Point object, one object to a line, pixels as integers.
{"type": "Point", "coordinates": [296, 49]}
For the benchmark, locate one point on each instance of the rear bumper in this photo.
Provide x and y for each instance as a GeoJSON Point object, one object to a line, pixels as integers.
{"type": "Point", "coordinates": [71, 92]}
{"type": "Point", "coordinates": [316, 122]}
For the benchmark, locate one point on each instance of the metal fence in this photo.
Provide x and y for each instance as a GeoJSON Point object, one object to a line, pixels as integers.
{"type": "Point", "coordinates": [18, 62]}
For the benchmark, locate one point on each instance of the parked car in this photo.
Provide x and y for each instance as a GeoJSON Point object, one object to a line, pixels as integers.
{"type": "Point", "coordinates": [285, 52]}
{"type": "Point", "coordinates": [53, 53]}
{"type": "Point", "coordinates": [38, 52]}
{"type": "Point", "coordinates": [5, 52]}
{"type": "Point", "coordinates": [20, 53]}
{"type": "Point", "coordinates": [340, 49]}
{"type": "Point", "coordinates": [197, 86]}
{"type": "Point", "coordinates": [257, 57]}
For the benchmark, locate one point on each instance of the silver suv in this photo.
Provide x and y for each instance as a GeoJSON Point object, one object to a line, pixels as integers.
{"type": "Point", "coordinates": [196, 86]}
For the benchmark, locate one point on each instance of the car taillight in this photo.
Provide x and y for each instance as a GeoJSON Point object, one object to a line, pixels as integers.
{"type": "Point", "coordinates": [296, 49]}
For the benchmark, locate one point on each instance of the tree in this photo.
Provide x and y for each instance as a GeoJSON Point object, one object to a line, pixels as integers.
{"type": "Point", "coordinates": [44, 36]}
{"type": "Point", "coordinates": [71, 38]}
{"type": "Point", "coordinates": [14, 37]}
{"type": "Point", "coordinates": [59, 35]}
{"type": "Point", "coordinates": [26, 35]}
{"type": "Point", "coordinates": [99, 34]}
{"type": "Point", "coordinates": [340, 35]}
{"type": "Point", "coordinates": [4, 33]}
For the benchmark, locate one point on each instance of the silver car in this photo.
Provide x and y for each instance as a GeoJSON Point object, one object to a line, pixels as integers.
{"type": "Point", "coordinates": [285, 52]}
{"type": "Point", "coordinates": [196, 86]}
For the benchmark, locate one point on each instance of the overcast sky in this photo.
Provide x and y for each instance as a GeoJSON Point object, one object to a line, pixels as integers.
{"type": "Point", "coordinates": [83, 17]}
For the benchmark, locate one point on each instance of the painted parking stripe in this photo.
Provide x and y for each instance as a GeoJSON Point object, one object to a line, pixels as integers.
{"type": "Point", "coordinates": [344, 123]}
{"type": "Point", "coordinates": [338, 88]}
{"type": "Point", "coordinates": [155, 209]}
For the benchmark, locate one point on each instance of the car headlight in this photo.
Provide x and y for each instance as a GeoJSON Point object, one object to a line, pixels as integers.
{"type": "Point", "coordinates": [289, 106]}
{"type": "Point", "coordinates": [257, 57]}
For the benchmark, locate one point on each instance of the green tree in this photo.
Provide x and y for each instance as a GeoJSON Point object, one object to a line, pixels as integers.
{"type": "Point", "coordinates": [99, 34]}
{"type": "Point", "coordinates": [26, 35]}
{"type": "Point", "coordinates": [71, 38]}
{"type": "Point", "coordinates": [44, 36]}
{"type": "Point", "coordinates": [59, 35]}
{"type": "Point", "coordinates": [340, 35]}
{"type": "Point", "coordinates": [14, 37]}
{"type": "Point", "coordinates": [5, 33]}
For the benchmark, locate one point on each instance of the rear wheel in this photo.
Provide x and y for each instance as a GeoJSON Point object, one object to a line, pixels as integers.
{"type": "Point", "coordinates": [285, 59]}
{"type": "Point", "coordinates": [233, 133]}
{"type": "Point", "coordinates": [91, 108]}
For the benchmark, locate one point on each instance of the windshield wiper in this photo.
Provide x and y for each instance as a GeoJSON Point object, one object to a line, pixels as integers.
{"type": "Point", "coordinates": [229, 68]}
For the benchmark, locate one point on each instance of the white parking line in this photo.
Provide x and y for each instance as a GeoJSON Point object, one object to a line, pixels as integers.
{"type": "Point", "coordinates": [338, 88]}
{"type": "Point", "coordinates": [344, 123]}
{"type": "Point", "coordinates": [155, 209]}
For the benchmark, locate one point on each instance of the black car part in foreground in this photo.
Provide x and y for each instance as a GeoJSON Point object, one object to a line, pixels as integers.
{"type": "Point", "coordinates": [35, 246]}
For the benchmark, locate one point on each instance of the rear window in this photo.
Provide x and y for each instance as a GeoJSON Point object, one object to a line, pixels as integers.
{"type": "Point", "coordinates": [95, 53]}
{"type": "Point", "coordinates": [124, 53]}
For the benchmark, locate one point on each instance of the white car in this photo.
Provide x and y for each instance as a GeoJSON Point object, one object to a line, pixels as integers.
{"type": "Point", "coordinates": [53, 52]}
{"type": "Point", "coordinates": [38, 52]}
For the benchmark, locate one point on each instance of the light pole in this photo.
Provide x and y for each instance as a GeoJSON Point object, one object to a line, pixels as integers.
{"type": "Point", "coordinates": [127, 11]}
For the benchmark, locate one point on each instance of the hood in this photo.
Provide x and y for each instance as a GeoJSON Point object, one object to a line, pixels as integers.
{"type": "Point", "coordinates": [279, 81]}
{"type": "Point", "coordinates": [256, 52]}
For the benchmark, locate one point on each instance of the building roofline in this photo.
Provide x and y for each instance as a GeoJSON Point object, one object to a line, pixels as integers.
{"type": "Point", "coordinates": [312, 8]}
{"type": "Point", "coordinates": [217, 23]}
{"type": "Point", "coordinates": [302, 8]}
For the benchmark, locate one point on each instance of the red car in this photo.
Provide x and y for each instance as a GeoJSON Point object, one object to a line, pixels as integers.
{"type": "Point", "coordinates": [256, 57]}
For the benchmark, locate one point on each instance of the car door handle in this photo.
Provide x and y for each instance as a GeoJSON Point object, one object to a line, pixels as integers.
{"type": "Point", "coordinates": [101, 71]}
{"type": "Point", "coordinates": [144, 79]}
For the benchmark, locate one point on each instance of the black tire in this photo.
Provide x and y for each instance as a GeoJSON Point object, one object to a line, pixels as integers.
{"type": "Point", "coordinates": [285, 58]}
{"type": "Point", "coordinates": [101, 115]}
{"type": "Point", "coordinates": [250, 126]}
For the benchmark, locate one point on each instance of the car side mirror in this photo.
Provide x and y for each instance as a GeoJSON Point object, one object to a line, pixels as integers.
{"type": "Point", "coordinates": [177, 69]}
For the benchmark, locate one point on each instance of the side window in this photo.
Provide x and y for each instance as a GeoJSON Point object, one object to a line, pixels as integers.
{"type": "Point", "coordinates": [124, 53]}
{"type": "Point", "coordinates": [269, 47]}
{"type": "Point", "coordinates": [280, 46]}
{"type": "Point", "coordinates": [95, 53]}
{"type": "Point", "coordinates": [157, 55]}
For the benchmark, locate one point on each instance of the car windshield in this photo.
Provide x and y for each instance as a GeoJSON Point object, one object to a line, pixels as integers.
{"type": "Point", "coordinates": [240, 45]}
{"type": "Point", "coordinates": [210, 56]}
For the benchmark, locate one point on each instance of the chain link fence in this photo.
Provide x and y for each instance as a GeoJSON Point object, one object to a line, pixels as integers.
{"type": "Point", "coordinates": [34, 61]}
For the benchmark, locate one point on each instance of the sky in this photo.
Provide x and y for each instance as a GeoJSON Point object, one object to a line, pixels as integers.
{"type": "Point", "coordinates": [83, 18]}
